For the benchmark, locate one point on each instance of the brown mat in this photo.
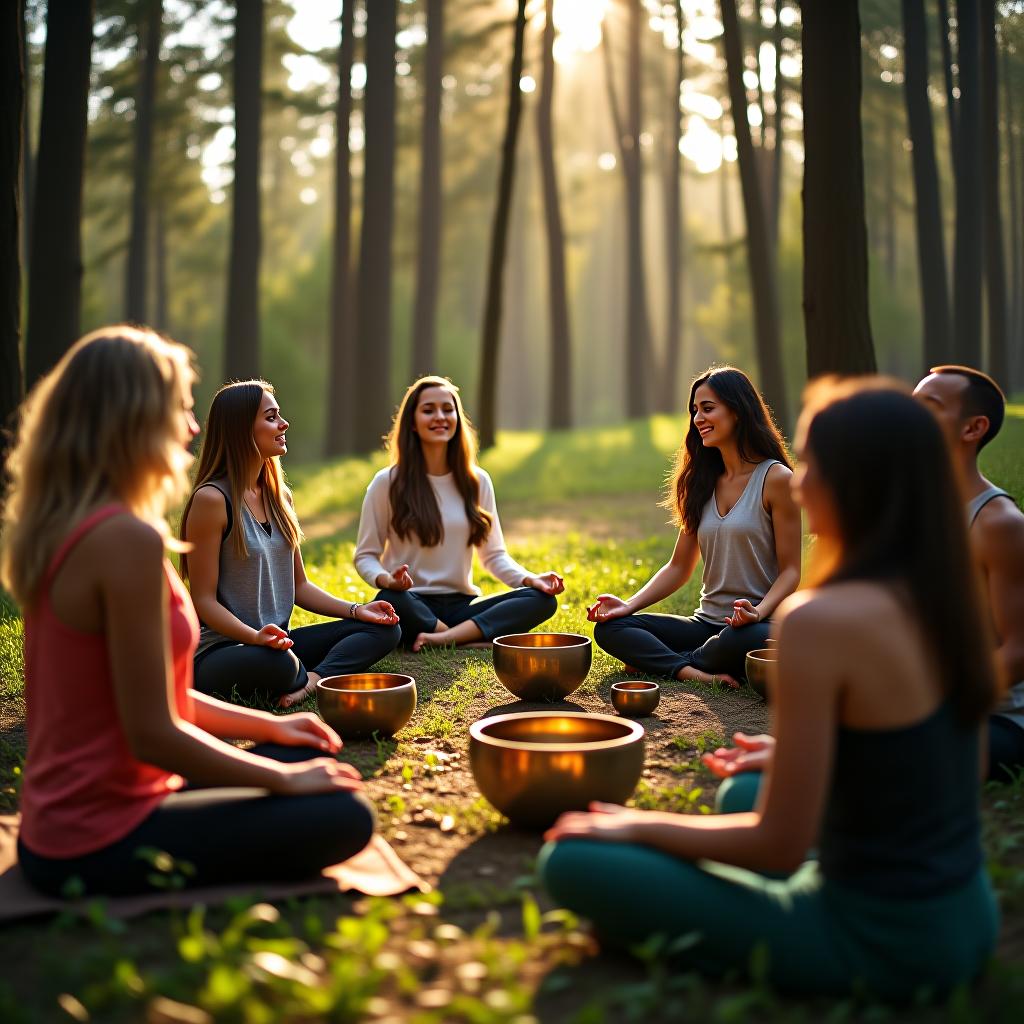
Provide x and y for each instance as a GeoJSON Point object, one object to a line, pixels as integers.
{"type": "Point", "coordinates": [375, 871]}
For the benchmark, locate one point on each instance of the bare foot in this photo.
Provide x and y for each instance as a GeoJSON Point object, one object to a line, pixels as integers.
{"type": "Point", "coordinates": [689, 672]}
{"type": "Point", "coordinates": [631, 669]}
{"type": "Point", "coordinates": [289, 700]}
{"type": "Point", "coordinates": [429, 640]}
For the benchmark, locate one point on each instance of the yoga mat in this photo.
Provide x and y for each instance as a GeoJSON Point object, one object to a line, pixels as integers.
{"type": "Point", "coordinates": [375, 871]}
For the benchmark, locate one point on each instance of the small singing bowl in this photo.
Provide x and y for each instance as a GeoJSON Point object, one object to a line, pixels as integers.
{"type": "Point", "coordinates": [533, 765]}
{"type": "Point", "coordinates": [357, 706]}
{"type": "Point", "coordinates": [635, 698]}
{"type": "Point", "coordinates": [759, 665]}
{"type": "Point", "coordinates": [542, 666]}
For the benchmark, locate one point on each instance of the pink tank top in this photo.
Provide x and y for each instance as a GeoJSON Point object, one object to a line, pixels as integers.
{"type": "Point", "coordinates": [83, 789]}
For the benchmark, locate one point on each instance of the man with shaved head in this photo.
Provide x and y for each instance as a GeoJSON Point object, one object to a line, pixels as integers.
{"type": "Point", "coordinates": [970, 408]}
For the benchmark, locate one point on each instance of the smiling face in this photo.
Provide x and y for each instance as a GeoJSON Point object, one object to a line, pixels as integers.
{"type": "Point", "coordinates": [712, 418]}
{"type": "Point", "coordinates": [436, 418]}
{"type": "Point", "coordinates": [268, 431]}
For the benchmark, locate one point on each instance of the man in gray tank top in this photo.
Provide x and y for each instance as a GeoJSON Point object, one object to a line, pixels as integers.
{"type": "Point", "coordinates": [970, 408]}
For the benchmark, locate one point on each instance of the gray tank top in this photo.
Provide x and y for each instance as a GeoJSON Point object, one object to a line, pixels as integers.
{"type": "Point", "coordinates": [259, 589]}
{"type": "Point", "coordinates": [979, 501]}
{"type": "Point", "coordinates": [738, 551]}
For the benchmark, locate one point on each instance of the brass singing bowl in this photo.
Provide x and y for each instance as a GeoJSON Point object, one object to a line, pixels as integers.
{"type": "Point", "coordinates": [635, 698]}
{"type": "Point", "coordinates": [759, 665]}
{"type": "Point", "coordinates": [358, 705]}
{"type": "Point", "coordinates": [542, 666]}
{"type": "Point", "coordinates": [533, 765]}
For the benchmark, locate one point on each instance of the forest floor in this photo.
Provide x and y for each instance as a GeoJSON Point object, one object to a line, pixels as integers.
{"type": "Point", "coordinates": [486, 945]}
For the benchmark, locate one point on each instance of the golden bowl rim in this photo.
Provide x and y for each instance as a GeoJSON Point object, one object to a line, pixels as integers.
{"type": "Point", "coordinates": [636, 686]}
{"type": "Point", "coordinates": [635, 732]}
{"type": "Point", "coordinates": [584, 641]}
{"type": "Point", "coordinates": [758, 655]}
{"type": "Point", "coordinates": [409, 681]}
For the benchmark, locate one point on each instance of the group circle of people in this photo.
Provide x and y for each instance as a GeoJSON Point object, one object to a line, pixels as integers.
{"type": "Point", "coordinates": [848, 842]}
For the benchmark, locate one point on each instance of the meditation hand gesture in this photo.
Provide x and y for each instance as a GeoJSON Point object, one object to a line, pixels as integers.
{"type": "Point", "coordinates": [273, 636]}
{"type": "Point", "coordinates": [609, 822]}
{"type": "Point", "coordinates": [304, 730]}
{"type": "Point", "coordinates": [607, 606]}
{"type": "Point", "coordinates": [743, 614]}
{"type": "Point", "coordinates": [547, 583]}
{"type": "Point", "coordinates": [751, 754]}
{"type": "Point", "coordinates": [400, 579]}
{"type": "Point", "coordinates": [379, 612]}
{"type": "Point", "coordinates": [320, 775]}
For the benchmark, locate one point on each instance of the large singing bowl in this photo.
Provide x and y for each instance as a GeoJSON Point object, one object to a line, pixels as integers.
{"type": "Point", "coordinates": [542, 666]}
{"type": "Point", "coordinates": [759, 666]}
{"type": "Point", "coordinates": [357, 706]}
{"type": "Point", "coordinates": [534, 765]}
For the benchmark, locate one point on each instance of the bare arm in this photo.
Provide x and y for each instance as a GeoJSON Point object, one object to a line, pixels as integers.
{"type": "Point", "coordinates": [786, 527]}
{"type": "Point", "coordinates": [998, 541]}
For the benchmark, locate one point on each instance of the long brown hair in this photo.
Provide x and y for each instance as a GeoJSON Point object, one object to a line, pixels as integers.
{"type": "Point", "coordinates": [696, 468]}
{"type": "Point", "coordinates": [105, 424]}
{"type": "Point", "coordinates": [901, 520]}
{"type": "Point", "coordinates": [414, 508]}
{"type": "Point", "coordinates": [228, 451]}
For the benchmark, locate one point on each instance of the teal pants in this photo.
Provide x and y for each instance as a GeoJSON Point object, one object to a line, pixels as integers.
{"type": "Point", "coordinates": [815, 937]}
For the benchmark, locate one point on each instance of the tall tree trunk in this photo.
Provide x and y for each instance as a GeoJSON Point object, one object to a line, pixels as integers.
{"type": "Point", "coordinates": [1016, 342]}
{"type": "Point", "coordinates": [137, 264]}
{"type": "Point", "coordinates": [760, 258]}
{"type": "Point", "coordinates": [968, 250]}
{"type": "Point", "coordinates": [373, 313]}
{"type": "Point", "coordinates": [775, 203]}
{"type": "Point", "coordinates": [12, 77]}
{"type": "Point", "coordinates": [998, 362]}
{"type": "Point", "coordinates": [26, 136]}
{"type": "Point", "coordinates": [428, 267]}
{"type": "Point", "coordinates": [55, 272]}
{"type": "Point", "coordinates": [947, 74]}
{"type": "Point", "coordinates": [487, 399]}
{"type": "Point", "coordinates": [931, 251]}
{"type": "Point", "coordinates": [836, 320]}
{"type": "Point", "coordinates": [560, 385]}
{"type": "Point", "coordinates": [342, 387]}
{"type": "Point", "coordinates": [668, 400]}
{"type": "Point", "coordinates": [242, 339]}
{"type": "Point", "coordinates": [160, 316]}
{"type": "Point", "coordinates": [889, 193]}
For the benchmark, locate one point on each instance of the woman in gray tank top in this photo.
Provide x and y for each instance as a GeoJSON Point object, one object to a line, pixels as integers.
{"type": "Point", "coordinates": [730, 496]}
{"type": "Point", "coordinates": [246, 572]}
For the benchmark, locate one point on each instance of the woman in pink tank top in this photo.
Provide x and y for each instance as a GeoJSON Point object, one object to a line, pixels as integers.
{"type": "Point", "coordinates": [114, 727]}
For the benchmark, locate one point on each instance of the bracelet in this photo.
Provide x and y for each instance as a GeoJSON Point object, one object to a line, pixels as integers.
{"type": "Point", "coordinates": [352, 609]}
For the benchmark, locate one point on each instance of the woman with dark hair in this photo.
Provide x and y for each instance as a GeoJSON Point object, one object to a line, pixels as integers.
{"type": "Point", "coordinates": [425, 514]}
{"type": "Point", "coordinates": [885, 662]}
{"type": "Point", "coordinates": [730, 497]}
{"type": "Point", "coordinates": [246, 571]}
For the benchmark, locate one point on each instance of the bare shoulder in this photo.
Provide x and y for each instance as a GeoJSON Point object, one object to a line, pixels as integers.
{"type": "Point", "coordinates": [821, 614]}
{"type": "Point", "coordinates": [998, 532]}
{"type": "Point", "coordinates": [123, 544]}
{"type": "Point", "coordinates": [777, 485]}
{"type": "Point", "coordinates": [209, 509]}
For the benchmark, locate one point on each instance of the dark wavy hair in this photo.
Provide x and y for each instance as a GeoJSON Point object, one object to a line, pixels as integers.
{"type": "Point", "coordinates": [414, 508]}
{"type": "Point", "coordinates": [696, 468]}
{"type": "Point", "coordinates": [883, 458]}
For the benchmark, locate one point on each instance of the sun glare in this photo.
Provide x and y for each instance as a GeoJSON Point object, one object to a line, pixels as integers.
{"type": "Point", "coordinates": [578, 24]}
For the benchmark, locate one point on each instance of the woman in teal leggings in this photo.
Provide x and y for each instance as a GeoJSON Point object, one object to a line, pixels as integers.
{"type": "Point", "coordinates": [875, 763]}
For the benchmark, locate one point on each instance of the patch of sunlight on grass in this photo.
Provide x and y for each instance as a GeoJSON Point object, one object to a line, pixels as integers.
{"type": "Point", "coordinates": [1001, 460]}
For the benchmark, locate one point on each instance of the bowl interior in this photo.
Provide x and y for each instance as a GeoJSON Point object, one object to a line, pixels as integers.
{"type": "Point", "coordinates": [363, 681]}
{"type": "Point", "coordinates": [565, 730]}
{"type": "Point", "coordinates": [642, 687]}
{"type": "Point", "coordinates": [542, 640]}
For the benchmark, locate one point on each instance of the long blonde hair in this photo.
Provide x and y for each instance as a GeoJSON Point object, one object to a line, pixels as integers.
{"type": "Point", "coordinates": [103, 425]}
{"type": "Point", "coordinates": [228, 452]}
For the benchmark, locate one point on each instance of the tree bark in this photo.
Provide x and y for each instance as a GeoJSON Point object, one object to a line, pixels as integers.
{"type": "Point", "coordinates": [561, 381]}
{"type": "Point", "coordinates": [55, 271]}
{"type": "Point", "coordinates": [775, 205]}
{"type": "Point", "coordinates": [931, 251]}
{"type": "Point", "coordinates": [424, 337]}
{"type": "Point", "coordinates": [488, 396]}
{"type": "Point", "coordinates": [1016, 342]}
{"type": "Point", "coordinates": [888, 232]}
{"type": "Point", "coordinates": [342, 388]}
{"type": "Point", "coordinates": [137, 262]}
{"type": "Point", "coordinates": [947, 74]}
{"type": "Point", "coordinates": [242, 339]}
{"type": "Point", "coordinates": [998, 362]}
{"type": "Point", "coordinates": [26, 137]}
{"type": "Point", "coordinates": [12, 78]}
{"type": "Point", "coordinates": [968, 249]}
{"type": "Point", "coordinates": [836, 319]}
{"type": "Point", "coordinates": [160, 315]}
{"type": "Point", "coordinates": [373, 313]}
{"type": "Point", "coordinates": [760, 258]}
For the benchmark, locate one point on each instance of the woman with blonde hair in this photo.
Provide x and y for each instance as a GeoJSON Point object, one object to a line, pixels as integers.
{"type": "Point", "coordinates": [114, 728]}
{"type": "Point", "coordinates": [245, 568]}
{"type": "Point", "coordinates": [424, 516]}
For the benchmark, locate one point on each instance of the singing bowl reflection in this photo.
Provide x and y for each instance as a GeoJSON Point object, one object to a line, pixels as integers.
{"type": "Point", "coordinates": [542, 666]}
{"type": "Point", "coordinates": [759, 665]}
{"type": "Point", "coordinates": [635, 698]}
{"type": "Point", "coordinates": [533, 765]}
{"type": "Point", "coordinates": [358, 705]}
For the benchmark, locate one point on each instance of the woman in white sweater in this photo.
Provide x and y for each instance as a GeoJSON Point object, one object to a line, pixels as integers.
{"type": "Point", "coordinates": [422, 518]}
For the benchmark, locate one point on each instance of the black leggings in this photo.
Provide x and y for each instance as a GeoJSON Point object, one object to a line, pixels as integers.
{"type": "Point", "coordinates": [514, 611]}
{"type": "Point", "coordinates": [328, 648]}
{"type": "Point", "coordinates": [217, 836]}
{"type": "Point", "coordinates": [663, 644]}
